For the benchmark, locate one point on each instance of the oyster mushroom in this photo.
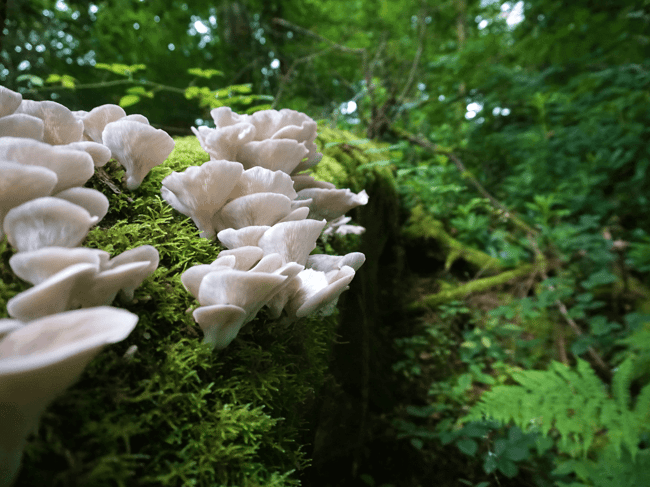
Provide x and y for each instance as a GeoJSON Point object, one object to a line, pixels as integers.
{"type": "Point", "coordinates": [318, 291]}
{"type": "Point", "coordinates": [99, 152]}
{"type": "Point", "coordinates": [248, 291]}
{"type": "Point", "coordinates": [20, 184]}
{"type": "Point", "coordinates": [331, 203]}
{"type": "Point", "coordinates": [47, 222]}
{"type": "Point", "coordinates": [243, 237]}
{"type": "Point", "coordinates": [255, 209]}
{"type": "Point", "coordinates": [61, 126]}
{"type": "Point", "coordinates": [9, 101]}
{"type": "Point", "coordinates": [293, 240]}
{"type": "Point", "coordinates": [138, 147]}
{"type": "Point", "coordinates": [22, 125]}
{"type": "Point", "coordinates": [95, 120]}
{"type": "Point", "coordinates": [199, 192]}
{"type": "Point", "coordinates": [41, 360]}
{"type": "Point", "coordinates": [93, 201]}
{"type": "Point", "coordinates": [72, 167]}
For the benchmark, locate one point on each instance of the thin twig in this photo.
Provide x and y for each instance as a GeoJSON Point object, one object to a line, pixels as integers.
{"type": "Point", "coordinates": [307, 32]}
{"type": "Point", "coordinates": [106, 179]}
{"type": "Point", "coordinates": [595, 357]}
{"type": "Point", "coordinates": [416, 59]}
{"type": "Point", "coordinates": [107, 84]}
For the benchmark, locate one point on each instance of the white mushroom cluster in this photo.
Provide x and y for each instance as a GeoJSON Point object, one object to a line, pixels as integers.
{"type": "Point", "coordinates": [254, 195]}
{"type": "Point", "coordinates": [37, 128]}
{"type": "Point", "coordinates": [45, 213]}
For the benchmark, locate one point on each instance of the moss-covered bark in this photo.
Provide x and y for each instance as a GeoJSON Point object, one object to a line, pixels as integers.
{"type": "Point", "coordinates": [461, 291]}
{"type": "Point", "coordinates": [421, 225]}
{"type": "Point", "coordinates": [172, 412]}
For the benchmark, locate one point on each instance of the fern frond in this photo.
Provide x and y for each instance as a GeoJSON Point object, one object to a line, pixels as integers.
{"type": "Point", "coordinates": [574, 403]}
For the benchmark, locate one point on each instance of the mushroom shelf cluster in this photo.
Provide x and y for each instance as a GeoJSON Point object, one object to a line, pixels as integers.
{"type": "Point", "coordinates": [47, 153]}
{"type": "Point", "coordinates": [257, 196]}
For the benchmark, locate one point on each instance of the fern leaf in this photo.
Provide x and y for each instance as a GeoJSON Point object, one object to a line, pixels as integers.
{"type": "Point", "coordinates": [573, 402]}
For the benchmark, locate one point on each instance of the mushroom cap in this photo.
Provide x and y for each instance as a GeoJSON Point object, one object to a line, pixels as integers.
{"type": "Point", "coordinates": [268, 263]}
{"type": "Point", "coordinates": [274, 124]}
{"type": "Point", "coordinates": [147, 258]}
{"type": "Point", "coordinates": [319, 291]}
{"type": "Point", "coordinates": [252, 210]}
{"type": "Point", "coordinates": [224, 117]}
{"type": "Point", "coordinates": [41, 359]}
{"type": "Point", "coordinates": [8, 325]}
{"type": "Point", "coordinates": [331, 203]}
{"type": "Point", "coordinates": [136, 117]}
{"type": "Point", "coordinates": [304, 181]}
{"type": "Point", "coordinates": [21, 183]}
{"type": "Point", "coordinates": [99, 152]}
{"type": "Point", "coordinates": [93, 201]}
{"type": "Point", "coordinates": [138, 147]}
{"type": "Point", "coordinates": [220, 323]}
{"type": "Point", "coordinates": [339, 226]}
{"type": "Point", "coordinates": [245, 289]}
{"type": "Point", "coordinates": [55, 294]}
{"type": "Point", "coordinates": [242, 237]}
{"type": "Point", "coordinates": [326, 263]}
{"type": "Point", "coordinates": [72, 167]}
{"type": "Point", "coordinates": [38, 265]}
{"type": "Point", "coordinates": [261, 180]}
{"type": "Point", "coordinates": [296, 214]}
{"type": "Point", "coordinates": [106, 284]}
{"type": "Point", "coordinates": [47, 222]}
{"type": "Point", "coordinates": [288, 288]}
{"type": "Point", "coordinates": [293, 240]}
{"type": "Point", "coordinates": [248, 290]}
{"type": "Point", "coordinates": [95, 120]}
{"type": "Point", "coordinates": [278, 124]}
{"type": "Point", "coordinates": [224, 143]}
{"type": "Point", "coordinates": [22, 125]}
{"type": "Point", "coordinates": [9, 101]}
{"type": "Point", "coordinates": [273, 154]}
{"type": "Point", "coordinates": [245, 257]}
{"type": "Point", "coordinates": [61, 126]}
{"type": "Point", "coordinates": [199, 192]}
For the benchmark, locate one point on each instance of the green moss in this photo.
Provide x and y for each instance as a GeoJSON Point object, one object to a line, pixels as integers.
{"type": "Point", "coordinates": [350, 161]}
{"type": "Point", "coordinates": [422, 225]}
{"type": "Point", "coordinates": [478, 285]}
{"type": "Point", "coordinates": [174, 412]}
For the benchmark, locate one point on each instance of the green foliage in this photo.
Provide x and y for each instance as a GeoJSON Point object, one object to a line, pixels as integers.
{"type": "Point", "coordinates": [574, 403]}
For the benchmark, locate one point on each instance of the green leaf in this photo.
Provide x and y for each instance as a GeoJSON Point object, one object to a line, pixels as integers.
{"type": "Point", "coordinates": [421, 411]}
{"type": "Point", "coordinates": [205, 73]}
{"type": "Point", "coordinates": [490, 464]}
{"type": "Point", "coordinates": [121, 69]}
{"type": "Point", "coordinates": [33, 79]}
{"type": "Point", "coordinates": [507, 467]}
{"type": "Point", "coordinates": [417, 443]}
{"type": "Point", "coordinates": [140, 91]}
{"type": "Point", "coordinates": [128, 100]}
{"type": "Point", "coordinates": [467, 446]}
{"type": "Point", "coordinates": [599, 278]}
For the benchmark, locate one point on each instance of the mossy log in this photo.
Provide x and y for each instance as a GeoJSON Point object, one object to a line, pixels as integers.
{"type": "Point", "coordinates": [160, 408]}
{"type": "Point", "coordinates": [422, 225]}
{"type": "Point", "coordinates": [479, 285]}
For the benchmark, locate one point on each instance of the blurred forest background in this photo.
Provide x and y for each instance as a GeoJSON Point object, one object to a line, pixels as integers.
{"type": "Point", "coordinates": [518, 131]}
